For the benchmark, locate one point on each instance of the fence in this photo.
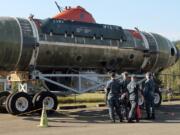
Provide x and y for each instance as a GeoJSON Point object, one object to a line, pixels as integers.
{"type": "Point", "coordinates": [170, 81]}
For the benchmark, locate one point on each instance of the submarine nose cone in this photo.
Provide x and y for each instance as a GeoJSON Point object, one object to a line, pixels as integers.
{"type": "Point", "coordinates": [10, 42]}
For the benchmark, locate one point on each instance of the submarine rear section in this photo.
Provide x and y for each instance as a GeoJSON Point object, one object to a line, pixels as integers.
{"type": "Point", "coordinates": [58, 46]}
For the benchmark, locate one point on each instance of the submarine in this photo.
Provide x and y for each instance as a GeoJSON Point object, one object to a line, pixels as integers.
{"type": "Point", "coordinates": [73, 42]}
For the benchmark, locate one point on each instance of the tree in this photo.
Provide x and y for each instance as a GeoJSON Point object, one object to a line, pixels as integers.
{"type": "Point", "coordinates": [172, 77]}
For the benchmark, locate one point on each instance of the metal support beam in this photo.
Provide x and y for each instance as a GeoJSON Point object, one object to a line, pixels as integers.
{"type": "Point", "coordinates": [99, 82]}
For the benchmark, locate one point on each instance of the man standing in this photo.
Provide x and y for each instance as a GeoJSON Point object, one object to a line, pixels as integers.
{"type": "Point", "coordinates": [149, 89]}
{"type": "Point", "coordinates": [112, 90]}
{"type": "Point", "coordinates": [133, 89]}
{"type": "Point", "coordinates": [124, 91]}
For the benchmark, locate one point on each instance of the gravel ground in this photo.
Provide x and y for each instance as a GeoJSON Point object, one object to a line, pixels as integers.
{"type": "Point", "coordinates": [93, 121]}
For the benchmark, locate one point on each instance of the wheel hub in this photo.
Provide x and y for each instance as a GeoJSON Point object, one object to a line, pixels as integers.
{"type": "Point", "coordinates": [48, 102]}
{"type": "Point", "coordinates": [156, 98]}
{"type": "Point", "coordinates": [22, 104]}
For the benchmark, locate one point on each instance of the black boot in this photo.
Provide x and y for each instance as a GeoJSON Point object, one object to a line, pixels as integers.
{"type": "Point", "coordinates": [120, 119]}
{"type": "Point", "coordinates": [153, 117]}
{"type": "Point", "coordinates": [137, 120]}
{"type": "Point", "coordinates": [130, 121]}
{"type": "Point", "coordinates": [148, 117]}
{"type": "Point", "coordinates": [113, 121]}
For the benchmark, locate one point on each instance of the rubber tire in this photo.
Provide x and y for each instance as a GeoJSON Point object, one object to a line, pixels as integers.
{"type": "Point", "coordinates": [34, 100]}
{"type": "Point", "coordinates": [38, 101]}
{"type": "Point", "coordinates": [12, 101]}
{"type": "Point", "coordinates": [3, 94]}
{"type": "Point", "coordinates": [160, 96]}
{"type": "Point", "coordinates": [7, 102]}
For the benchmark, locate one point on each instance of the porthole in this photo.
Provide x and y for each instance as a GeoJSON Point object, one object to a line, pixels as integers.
{"type": "Point", "coordinates": [172, 52]}
{"type": "Point", "coordinates": [131, 57]}
{"type": "Point", "coordinates": [79, 58]}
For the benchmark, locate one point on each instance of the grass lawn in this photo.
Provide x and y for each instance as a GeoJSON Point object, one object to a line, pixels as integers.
{"type": "Point", "coordinates": [89, 99]}
{"type": "Point", "coordinates": [82, 98]}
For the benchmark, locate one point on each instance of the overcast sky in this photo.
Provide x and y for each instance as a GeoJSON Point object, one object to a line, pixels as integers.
{"type": "Point", "coordinates": [158, 16]}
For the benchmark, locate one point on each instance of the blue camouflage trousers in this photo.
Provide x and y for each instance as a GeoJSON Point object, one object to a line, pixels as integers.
{"type": "Point", "coordinates": [114, 106]}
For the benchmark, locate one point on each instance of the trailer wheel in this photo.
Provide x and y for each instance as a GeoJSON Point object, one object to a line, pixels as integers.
{"type": "Point", "coordinates": [157, 98]}
{"type": "Point", "coordinates": [7, 102]}
{"type": "Point", "coordinates": [37, 106]}
{"type": "Point", "coordinates": [20, 103]}
{"type": "Point", "coordinates": [47, 98]}
{"type": "Point", "coordinates": [3, 97]}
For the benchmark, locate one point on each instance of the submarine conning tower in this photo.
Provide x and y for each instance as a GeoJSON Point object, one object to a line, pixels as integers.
{"type": "Point", "coordinates": [76, 14]}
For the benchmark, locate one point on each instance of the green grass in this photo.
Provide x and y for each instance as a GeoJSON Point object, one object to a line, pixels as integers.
{"type": "Point", "coordinates": [90, 99]}
{"type": "Point", "coordinates": [83, 98]}
{"type": "Point", "coordinates": [164, 97]}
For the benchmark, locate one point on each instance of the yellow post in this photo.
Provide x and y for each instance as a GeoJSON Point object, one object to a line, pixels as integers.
{"type": "Point", "coordinates": [44, 120]}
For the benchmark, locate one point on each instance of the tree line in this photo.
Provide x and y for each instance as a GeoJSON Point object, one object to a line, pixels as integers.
{"type": "Point", "coordinates": [170, 77]}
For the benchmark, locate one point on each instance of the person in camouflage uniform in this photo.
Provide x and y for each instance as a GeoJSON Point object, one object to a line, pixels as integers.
{"type": "Point", "coordinates": [133, 89]}
{"type": "Point", "coordinates": [124, 96]}
{"type": "Point", "coordinates": [149, 89]}
{"type": "Point", "coordinates": [112, 91]}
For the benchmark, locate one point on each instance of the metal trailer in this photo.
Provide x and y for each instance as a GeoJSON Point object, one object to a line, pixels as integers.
{"type": "Point", "coordinates": [29, 98]}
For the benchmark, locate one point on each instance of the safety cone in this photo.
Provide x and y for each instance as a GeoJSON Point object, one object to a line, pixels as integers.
{"type": "Point", "coordinates": [44, 120]}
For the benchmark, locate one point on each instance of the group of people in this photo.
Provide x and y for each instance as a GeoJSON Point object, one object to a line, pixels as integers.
{"type": "Point", "coordinates": [126, 92]}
